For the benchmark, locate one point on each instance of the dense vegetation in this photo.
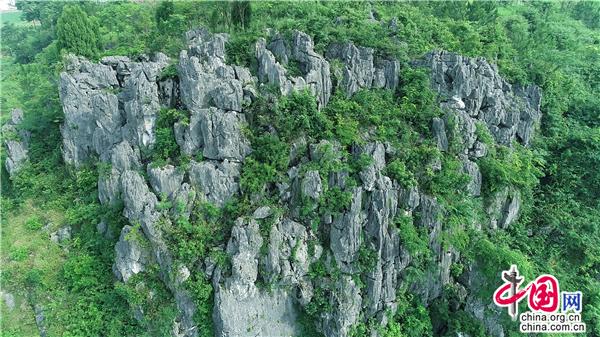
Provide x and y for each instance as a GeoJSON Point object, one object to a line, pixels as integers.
{"type": "Point", "coordinates": [554, 45]}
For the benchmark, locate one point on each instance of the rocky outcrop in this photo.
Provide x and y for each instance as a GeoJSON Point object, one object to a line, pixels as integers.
{"type": "Point", "coordinates": [215, 133]}
{"type": "Point", "coordinates": [165, 181]}
{"type": "Point", "coordinates": [16, 141]}
{"type": "Point", "coordinates": [487, 313]}
{"type": "Point", "coordinates": [475, 91]}
{"type": "Point", "coordinates": [346, 232]}
{"type": "Point", "coordinates": [313, 71]}
{"type": "Point", "coordinates": [431, 215]}
{"type": "Point", "coordinates": [61, 235]}
{"type": "Point", "coordinates": [475, 96]}
{"type": "Point", "coordinates": [287, 260]}
{"type": "Point", "coordinates": [107, 103]}
{"type": "Point", "coordinates": [140, 207]}
{"type": "Point", "coordinates": [471, 169]}
{"type": "Point", "coordinates": [346, 300]}
{"type": "Point", "coordinates": [241, 308]}
{"type": "Point", "coordinates": [362, 69]}
{"type": "Point", "coordinates": [131, 256]}
{"type": "Point", "coordinates": [205, 79]}
{"type": "Point", "coordinates": [216, 181]}
{"type": "Point", "coordinates": [111, 109]}
{"type": "Point", "coordinates": [503, 208]}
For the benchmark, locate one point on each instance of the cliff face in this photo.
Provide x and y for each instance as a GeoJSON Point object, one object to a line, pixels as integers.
{"type": "Point", "coordinates": [16, 142]}
{"type": "Point", "coordinates": [111, 111]}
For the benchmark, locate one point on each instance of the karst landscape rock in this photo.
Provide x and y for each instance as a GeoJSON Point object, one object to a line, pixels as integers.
{"type": "Point", "coordinates": [290, 183]}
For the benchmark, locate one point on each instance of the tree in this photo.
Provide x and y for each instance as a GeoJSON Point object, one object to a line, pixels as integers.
{"type": "Point", "coordinates": [241, 12]}
{"type": "Point", "coordinates": [164, 11]}
{"type": "Point", "coordinates": [77, 32]}
{"type": "Point", "coordinates": [220, 17]}
{"type": "Point", "coordinates": [44, 12]}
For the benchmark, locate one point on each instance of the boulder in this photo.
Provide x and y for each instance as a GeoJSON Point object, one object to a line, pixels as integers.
{"type": "Point", "coordinates": [131, 254]}
{"type": "Point", "coordinates": [216, 181]}
{"type": "Point", "coordinates": [16, 141]}
{"type": "Point", "coordinates": [311, 185]}
{"type": "Point", "coordinates": [165, 181]}
{"type": "Point", "coordinates": [361, 69]}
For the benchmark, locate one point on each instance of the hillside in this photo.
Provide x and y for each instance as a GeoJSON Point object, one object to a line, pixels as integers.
{"type": "Point", "coordinates": [296, 169]}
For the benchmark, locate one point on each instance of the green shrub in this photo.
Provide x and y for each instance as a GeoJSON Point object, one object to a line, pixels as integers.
{"type": "Point", "coordinates": [240, 49]}
{"type": "Point", "coordinates": [335, 201]}
{"type": "Point", "coordinates": [165, 148]}
{"type": "Point", "coordinates": [80, 272]}
{"type": "Point", "coordinates": [411, 318]}
{"type": "Point", "coordinates": [397, 170]}
{"type": "Point", "coordinates": [19, 253]}
{"type": "Point", "coordinates": [413, 239]}
{"type": "Point", "coordinates": [267, 163]}
{"type": "Point", "coordinates": [34, 223]}
{"type": "Point", "coordinates": [255, 175]}
{"type": "Point", "coordinates": [169, 72]}
{"type": "Point", "coordinates": [202, 292]}
{"type": "Point", "coordinates": [297, 114]}
{"type": "Point", "coordinates": [367, 259]}
{"type": "Point", "coordinates": [450, 181]}
{"type": "Point", "coordinates": [518, 167]}
{"type": "Point", "coordinates": [147, 292]}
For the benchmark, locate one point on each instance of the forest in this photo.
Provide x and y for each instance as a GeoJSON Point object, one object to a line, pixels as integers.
{"type": "Point", "coordinates": [66, 286]}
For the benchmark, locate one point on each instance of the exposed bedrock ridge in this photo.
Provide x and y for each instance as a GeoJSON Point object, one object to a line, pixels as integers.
{"type": "Point", "coordinates": [110, 114]}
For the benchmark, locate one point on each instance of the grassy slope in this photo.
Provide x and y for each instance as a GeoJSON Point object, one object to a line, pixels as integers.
{"type": "Point", "coordinates": [26, 249]}
{"type": "Point", "coordinates": [13, 17]}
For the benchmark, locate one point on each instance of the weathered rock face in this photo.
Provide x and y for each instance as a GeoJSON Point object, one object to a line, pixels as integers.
{"type": "Point", "coordinates": [239, 303]}
{"type": "Point", "coordinates": [165, 181]}
{"type": "Point", "coordinates": [110, 113]}
{"type": "Point", "coordinates": [472, 170]}
{"type": "Point", "coordinates": [216, 181]}
{"type": "Point", "coordinates": [431, 219]}
{"type": "Point", "coordinates": [346, 232]}
{"type": "Point", "coordinates": [362, 70]}
{"type": "Point", "coordinates": [205, 80]}
{"type": "Point", "coordinates": [476, 92]}
{"type": "Point", "coordinates": [476, 96]}
{"type": "Point", "coordinates": [313, 68]}
{"type": "Point", "coordinates": [504, 207]}
{"type": "Point", "coordinates": [96, 117]}
{"type": "Point", "coordinates": [487, 313]}
{"type": "Point", "coordinates": [220, 132]}
{"type": "Point", "coordinates": [16, 142]}
{"type": "Point", "coordinates": [131, 256]}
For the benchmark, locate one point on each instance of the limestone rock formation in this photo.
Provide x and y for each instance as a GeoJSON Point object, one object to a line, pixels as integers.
{"type": "Point", "coordinates": [362, 70]}
{"type": "Point", "coordinates": [216, 181]}
{"type": "Point", "coordinates": [107, 103]}
{"type": "Point", "coordinates": [476, 92]}
{"type": "Point", "coordinates": [504, 207]}
{"type": "Point", "coordinates": [314, 72]}
{"type": "Point", "coordinates": [111, 109]}
{"type": "Point", "coordinates": [16, 142]}
{"type": "Point", "coordinates": [205, 79]}
{"type": "Point", "coordinates": [131, 256]}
